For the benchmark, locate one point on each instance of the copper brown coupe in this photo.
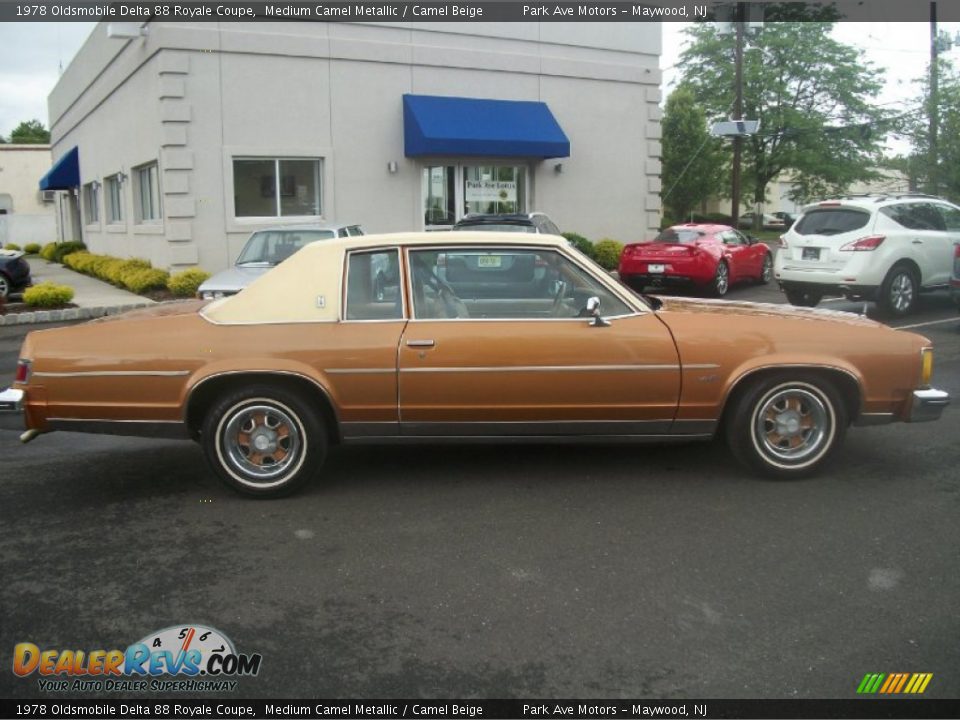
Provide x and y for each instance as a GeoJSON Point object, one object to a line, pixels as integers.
{"type": "Point", "coordinates": [464, 337]}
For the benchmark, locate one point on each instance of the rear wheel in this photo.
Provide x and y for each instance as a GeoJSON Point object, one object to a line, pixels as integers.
{"type": "Point", "coordinates": [4, 286]}
{"type": "Point", "coordinates": [898, 291]}
{"type": "Point", "coordinates": [803, 298]}
{"type": "Point", "coordinates": [264, 441]}
{"type": "Point", "coordinates": [721, 280]}
{"type": "Point", "coordinates": [787, 426]}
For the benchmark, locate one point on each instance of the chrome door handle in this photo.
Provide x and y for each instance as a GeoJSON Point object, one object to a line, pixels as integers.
{"type": "Point", "coordinates": [918, 242]}
{"type": "Point", "coordinates": [420, 343]}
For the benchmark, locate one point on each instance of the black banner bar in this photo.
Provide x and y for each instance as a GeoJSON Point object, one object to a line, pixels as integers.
{"type": "Point", "coordinates": [172, 707]}
{"type": "Point", "coordinates": [443, 11]}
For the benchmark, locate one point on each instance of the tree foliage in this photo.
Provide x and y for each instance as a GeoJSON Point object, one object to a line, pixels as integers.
{"type": "Point", "coordinates": [812, 96]}
{"type": "Point", "coordinates": [940, 175]}
{"type": "Point", "coordinates": [30, 132]}
{"type": "Point", "coordinates": [692, 162]}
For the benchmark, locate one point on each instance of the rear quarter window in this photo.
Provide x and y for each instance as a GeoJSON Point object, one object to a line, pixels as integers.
{"type": "Point", "coordinates": [831, 221]}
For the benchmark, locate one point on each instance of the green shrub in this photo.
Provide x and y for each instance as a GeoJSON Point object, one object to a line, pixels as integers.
{"type": "Point", "coordinates": [143, 279]}
{"type": "Point", "coordinates": [607, 253]}
{"type": "Point", "coordinates": [31, 248]}
{"type": "Point", "coordinates": [64, 249]}
{"type": "Point", "coordinates": [11, 246]}
{"type": "Point", "coordinates": [185, 284]}
{"type": "Point", "coordinates": [580, 243]}
{"type": "Point", "coordinates": [48, 295]}
{"type": "Point", "coordinates": [48, 250]}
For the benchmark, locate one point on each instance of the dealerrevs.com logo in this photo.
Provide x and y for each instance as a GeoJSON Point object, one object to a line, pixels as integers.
{"type": "Point", "coordinates": [187, 658]}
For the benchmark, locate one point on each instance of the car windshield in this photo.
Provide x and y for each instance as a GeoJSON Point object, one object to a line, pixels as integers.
{"type": "Point", "coordinates": [831, 221]}
{"type": "Point", "coordinates": [498, 227]}
{"type": "Point", "coordinates": [272, 247]}
{"type": "Point", "coordinates": [673, 235]}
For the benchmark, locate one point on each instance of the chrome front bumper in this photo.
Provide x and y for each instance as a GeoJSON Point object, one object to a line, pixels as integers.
{"type": "Point", "coordinates": [12, 404]}
{"type": "Point", "coordinates": [928, 405]}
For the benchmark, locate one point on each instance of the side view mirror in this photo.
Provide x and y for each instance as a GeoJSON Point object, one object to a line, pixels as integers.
{"type": "Point", "coordinates": [752, 239]}
{"type": "Point", "coordinates": [593, 309]}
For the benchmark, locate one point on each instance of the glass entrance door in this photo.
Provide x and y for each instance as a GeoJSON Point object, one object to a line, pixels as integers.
{"type": "Point", "coordinates": [449, 192]}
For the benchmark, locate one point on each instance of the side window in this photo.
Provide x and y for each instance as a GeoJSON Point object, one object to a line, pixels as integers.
{"type": "Point", "coordinates": [342, 232]}
{"type": "Point", "coordinates": [928, 217]}
{"type": "Point", "coordinates": [951, 217]}
{"type": "Point", "coordinates": [373, 286]}
{"type": "Point", "coordinates": [504, 284]}
{"type": "Point", "coordinates": [549, 227]}
{"type": "Point", "coordinates": [732, 237]}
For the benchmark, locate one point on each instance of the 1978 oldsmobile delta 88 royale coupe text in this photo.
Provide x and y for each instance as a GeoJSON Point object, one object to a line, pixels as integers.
{"type": "Point", "coordinates": [464, 336]}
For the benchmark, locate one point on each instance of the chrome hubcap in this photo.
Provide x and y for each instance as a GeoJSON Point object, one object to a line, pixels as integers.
{"type": "Point", "coordinates": [792, 425]}
{"type": "Point", "coordinates": [262, 441]}
{"type": "Point", "coordinates": [767, 269]}
{"type": "Point", "coordinates": [722, 278]}
{"type": "Point", "coordinates": [901, 292]}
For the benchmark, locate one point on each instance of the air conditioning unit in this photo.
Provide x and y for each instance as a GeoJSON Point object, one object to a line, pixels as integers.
{"type": "Point", "coordinates": [48, 195]}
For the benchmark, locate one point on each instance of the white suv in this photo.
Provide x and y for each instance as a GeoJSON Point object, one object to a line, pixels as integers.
{"type": "Point", "coordinates": [869, 247]}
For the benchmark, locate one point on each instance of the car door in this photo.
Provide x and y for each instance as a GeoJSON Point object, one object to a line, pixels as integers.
{"type": "Point", "coordinates": [737, 251]}
{"type": "Point", "coordinates": [943, 246]}
{"type": "Point", "coordinates": [507, 363]}
{"type": "Point", "coordinates": [930, 242]}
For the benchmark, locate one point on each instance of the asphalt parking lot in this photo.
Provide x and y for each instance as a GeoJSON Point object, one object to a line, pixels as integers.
{"type": "Point", "coordinates": [516, 571]}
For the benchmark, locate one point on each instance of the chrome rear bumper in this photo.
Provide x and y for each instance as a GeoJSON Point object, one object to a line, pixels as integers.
{"type": "Point", "coordinates": [928, 405]}
{"type": "Point", "coordinates": [12, 404]}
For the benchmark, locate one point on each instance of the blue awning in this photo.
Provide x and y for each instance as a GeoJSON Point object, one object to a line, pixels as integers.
{"type": "Point", "coordinates": [64, 174]}
{"type": "Point", "coordinates": [435, 125]}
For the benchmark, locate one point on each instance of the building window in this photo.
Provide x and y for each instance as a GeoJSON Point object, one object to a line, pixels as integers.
{"type": "Point", "coordinates": [146, 193]}
{"type": "Point", "coordinates": [91, 202]}
{"type": "Point", "coordinates": [276, 187]}
{"type": "Point", "coordinates": [494, 189]}
{"type": "Point", "coordinates": [114, 198]}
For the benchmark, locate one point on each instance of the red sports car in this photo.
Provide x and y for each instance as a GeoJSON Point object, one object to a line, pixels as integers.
{"type": "Point", "coordinates": [712, 257]}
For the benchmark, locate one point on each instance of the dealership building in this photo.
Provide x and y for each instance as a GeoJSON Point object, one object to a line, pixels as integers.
{"type": "Point", "coordinates": [174, 141]}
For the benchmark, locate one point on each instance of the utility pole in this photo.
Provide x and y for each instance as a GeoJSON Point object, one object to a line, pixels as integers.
{"type": "Point", "coordinates": [737, 112]}
{"type": "Point", "coordinates": [934, 110]}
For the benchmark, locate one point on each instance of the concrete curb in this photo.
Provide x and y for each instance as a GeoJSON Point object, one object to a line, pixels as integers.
{"type": "Point", "coordinates": [49, 316]}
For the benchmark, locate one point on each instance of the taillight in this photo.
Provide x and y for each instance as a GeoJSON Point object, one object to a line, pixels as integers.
{"type": "Point", "coordinates": [783, 241]}
{"type": "Point", "coordinates": [23, 372]}
{"type": "Point", "coordinates": [871, 242]}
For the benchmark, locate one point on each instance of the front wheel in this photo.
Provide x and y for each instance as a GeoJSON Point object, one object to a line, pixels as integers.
{"type": "Point", "coordinates": [263, 441]}
{"type": "Point", "coordinates": [4, 287]}
{"type": "Point", "coordinates": [803, 298]}
{"type": "Point", "coordinates": [787, 426]}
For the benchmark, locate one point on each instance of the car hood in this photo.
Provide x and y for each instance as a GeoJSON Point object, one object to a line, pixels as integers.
{"type": "Point", "coordinates": [748, 310]}
{"type": "Point", "coordinates": [233, 280]}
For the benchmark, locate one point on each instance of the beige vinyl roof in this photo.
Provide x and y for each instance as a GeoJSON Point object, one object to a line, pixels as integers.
{"type": "Point", "coordinates": [306, 287]}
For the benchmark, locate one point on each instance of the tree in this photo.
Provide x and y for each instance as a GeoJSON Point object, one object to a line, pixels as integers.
{"type": "Point", "coordinates": [948, 138]}
{"type": "Point", "coordinates": [812, 96]}
{"type": "Point", "coordinates": [692, 164]}
{"type": "Point", "coordinates": [30, 132]}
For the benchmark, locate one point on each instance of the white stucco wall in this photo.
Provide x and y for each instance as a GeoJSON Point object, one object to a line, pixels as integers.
{"type": "Point", "coordinates": [193, 96]}
{"type": "Point", "coordinates": [28, 217]}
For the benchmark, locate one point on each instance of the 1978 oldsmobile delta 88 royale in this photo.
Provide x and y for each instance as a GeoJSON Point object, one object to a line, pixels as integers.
{"type": "Point", "coordinates": [456, 336]}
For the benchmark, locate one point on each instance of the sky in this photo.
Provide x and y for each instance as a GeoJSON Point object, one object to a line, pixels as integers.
{"type": "Point", "coordinates": [32, 55]}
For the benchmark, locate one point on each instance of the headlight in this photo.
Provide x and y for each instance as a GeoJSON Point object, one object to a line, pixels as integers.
{"type": "Point", "coordinates": [210, 295]}
{"type": "Point", "coordinates": [926, 365]}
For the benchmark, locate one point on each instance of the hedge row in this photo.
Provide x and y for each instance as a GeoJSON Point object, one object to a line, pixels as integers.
{"type": "Point", "coordinates": [56, 252]}
{"type": "Point", "coordinates": [135, 274]}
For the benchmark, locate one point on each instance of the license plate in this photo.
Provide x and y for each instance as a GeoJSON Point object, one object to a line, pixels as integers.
{"type": "Point", "coordinates": [656, 268]}
{"type": "Point", "coordinates": [811, 253]}
{"type": "Point", "coordinates": [488, 261]}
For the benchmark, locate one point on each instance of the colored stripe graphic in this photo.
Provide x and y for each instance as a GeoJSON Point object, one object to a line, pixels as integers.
{"type": "Point", "coordinates": [894, 683]}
